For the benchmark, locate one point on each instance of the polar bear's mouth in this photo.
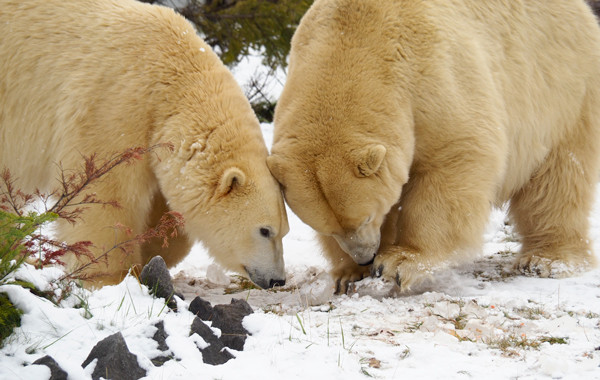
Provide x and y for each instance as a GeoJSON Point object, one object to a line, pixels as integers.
{"type": "Point", "coordinates": [263, 280]}
{"type": "Point", "coordinates": [363, 253]}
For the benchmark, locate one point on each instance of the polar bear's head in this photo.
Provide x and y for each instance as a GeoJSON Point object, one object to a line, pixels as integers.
{"type": "Point", "coordinates": [343, 195]}
{"type": "Point", "coordinates": [217, 178]}
{"type": "Point", "coordinates": [234, 208]}
{"type": "Point", "coordinates": [342, 156]}
{"type": "Point", "coordinates": [243, 222]}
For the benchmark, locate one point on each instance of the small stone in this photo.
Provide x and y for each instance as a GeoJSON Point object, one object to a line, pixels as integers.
{"type": "Point", "coordinates": [160, 360]}
{"type": "Point", "coordinates": [215, 353]}
{"type": "Point", "coordinates": [56, 373]}
{"type": "Point", "coordinates": [228, 318]}
{"type": "Point", "coordinates": [201, 308]}
{"type": "Point", "coordinates": [115, 361]}
{"type": "Point", "coordinates": [155, 275]}
{"type": "Point", "coordinates": [160, 336]}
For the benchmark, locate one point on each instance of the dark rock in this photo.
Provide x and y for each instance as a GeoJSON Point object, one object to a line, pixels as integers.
{"type": "Point", "coordinates": [155, 275]}
{"type": "Point", "coordinates": [201, 308]}
{"type": "Point", "coordinates": [56, 373]}
{"type": "Point", "coordinates": [160, 360]}
{"type": "Point", "coordinates": [114, 360]}
{"type": "Point", "coordinates": [215, 353]}
{"type": "Point", "coordinates": [160, 336]}
{"type": "Point", "coordinates": [228, 319]}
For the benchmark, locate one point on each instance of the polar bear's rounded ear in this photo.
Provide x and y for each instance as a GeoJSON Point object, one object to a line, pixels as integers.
{"type": "Point", "coordinates": [369, 160]}
{"type": "Point", "coordinates": [232, 177]}
{"type": "Point", "coordinates": [275, 165]}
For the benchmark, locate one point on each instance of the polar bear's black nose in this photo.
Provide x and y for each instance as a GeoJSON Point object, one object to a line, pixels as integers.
{"type": "Point", "coordinates": [273, 283]}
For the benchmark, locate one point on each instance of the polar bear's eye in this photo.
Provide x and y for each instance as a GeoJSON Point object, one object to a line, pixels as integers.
{"type": "Point", "coordinates": [265, 232]}
{"type": "Point", "coordinates": [368, 220]}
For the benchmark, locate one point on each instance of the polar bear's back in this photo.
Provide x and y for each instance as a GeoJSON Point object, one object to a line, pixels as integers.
{"type": "Point", "coordinates": [526, 67]}
{"type": "Point", "coordinates": [63, 65]}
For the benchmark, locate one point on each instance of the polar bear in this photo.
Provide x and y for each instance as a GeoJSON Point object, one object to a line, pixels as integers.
{"type": "Point", "coordinates": [402, 123]}
{"type": "Point", "coordinates": [79, 77]}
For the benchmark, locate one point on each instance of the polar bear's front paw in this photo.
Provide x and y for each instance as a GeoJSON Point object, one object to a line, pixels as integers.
{"type": "Point", "coordinates": [533, 265]}
{"type": "Point", "coordinates": [345, 276]}
{"type": "Point", "coordinates": [554, 265]}
{"type": "Point", "coordinates": [405, 267]}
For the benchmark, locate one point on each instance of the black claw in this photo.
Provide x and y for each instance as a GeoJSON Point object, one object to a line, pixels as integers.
{"type": "Point", "coordinates": [376, 272]}
{"type": "Point", "coordinates": [337, 286]}
{"type": "Point", "coordinates": [398, 280]}
{"type": "Point", "coordinates": [347, 287]}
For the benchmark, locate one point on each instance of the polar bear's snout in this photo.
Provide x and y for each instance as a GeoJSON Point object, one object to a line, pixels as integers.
{"type": "Point", "coordinates": [266, 267]}
{"type": "Point", "coordinates": [361, 248]}
{"type": "Point", "coordinates": [266, 279]}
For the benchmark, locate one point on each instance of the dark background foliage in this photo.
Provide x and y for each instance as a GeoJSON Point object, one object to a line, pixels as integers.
{"type": "Point", "coordinates": [235, 27]}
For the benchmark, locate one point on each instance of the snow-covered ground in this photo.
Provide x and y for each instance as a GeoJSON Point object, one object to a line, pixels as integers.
{"type": "Point", "coordinates": [478, 320]}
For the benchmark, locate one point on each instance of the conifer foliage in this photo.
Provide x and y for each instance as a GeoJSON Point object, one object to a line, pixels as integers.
{"type": "Point", "coordinates": [235, 27]}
